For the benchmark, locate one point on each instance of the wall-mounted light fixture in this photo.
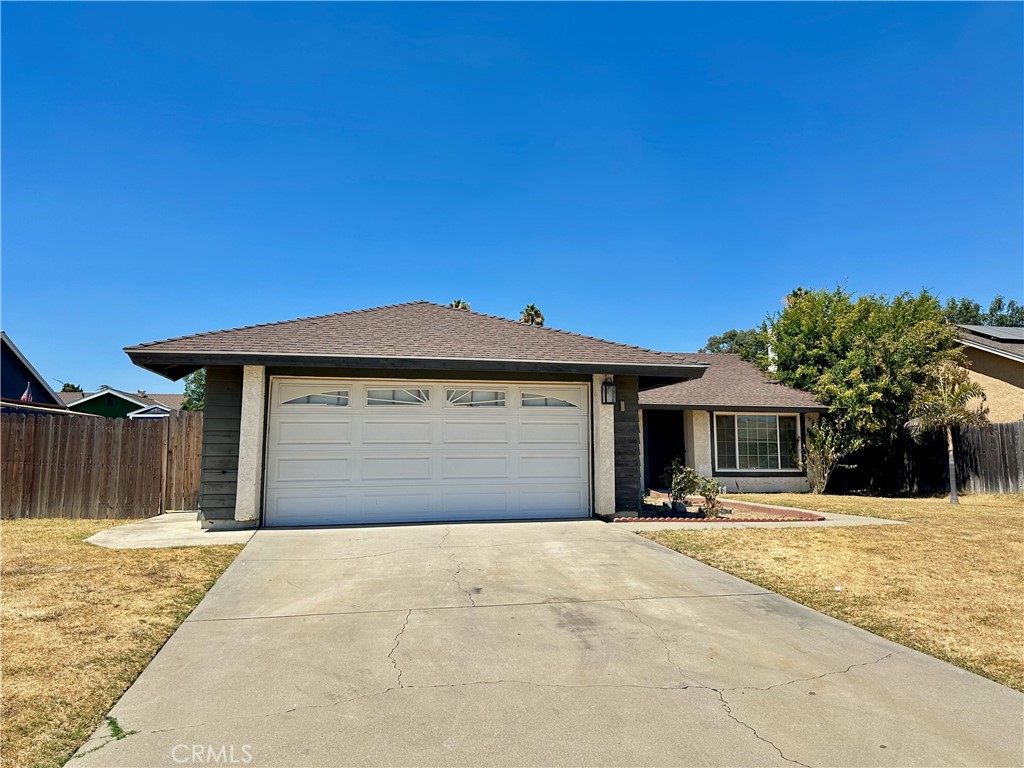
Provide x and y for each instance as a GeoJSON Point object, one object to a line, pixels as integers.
{"type": "Point", "coordinates": [608, 391]}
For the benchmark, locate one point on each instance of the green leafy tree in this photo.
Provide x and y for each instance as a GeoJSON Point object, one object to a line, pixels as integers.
{"type": "Point", "coordinates": [962, 311]}
{"type": "Point", "coordinates": [69, 387]}
{"type": "Point", "coordinates": [195, 391]}
{"type": "Point", "coordinates": [947, 400]}
{"type": "Point", "coordinates": [1000, 312]}
{"type": "Point", "coordinates": [865, 358]}
{"type": "Point", "coordinates": [532, 315]}
{"type": "Point", "coordinates": [749, 344]}
{"type": "Point", "coordinates": [460, 304]}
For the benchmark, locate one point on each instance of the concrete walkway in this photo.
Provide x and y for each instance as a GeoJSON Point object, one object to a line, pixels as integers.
{"type": "Point", "coordinates": [569, 644]}
{"type": "Point", "coordinates": [182, 529]}
{"type": "Point", "coordinates": [174, 529]}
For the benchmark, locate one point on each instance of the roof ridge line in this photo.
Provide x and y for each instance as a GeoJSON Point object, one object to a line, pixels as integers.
{"type": "Point", "coordinates": [278, 322]}
{"type": "Point", "coordinates": [674, 355]}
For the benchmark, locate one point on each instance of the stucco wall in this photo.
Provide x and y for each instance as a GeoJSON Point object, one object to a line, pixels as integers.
{"type": "Point", "coordinates": [697, 426]}
{"type": "Point", "coordinates": [1003, 382]}
{"type": "Point", "coordinates": [755, 484]}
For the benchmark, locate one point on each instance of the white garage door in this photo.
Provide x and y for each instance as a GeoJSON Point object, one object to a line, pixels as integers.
{"type": "Point", "coordinates": [343, 451]}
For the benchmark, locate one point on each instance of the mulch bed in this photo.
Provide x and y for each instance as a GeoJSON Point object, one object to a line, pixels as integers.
{"type": "Point", "coordinates": [750, 513]}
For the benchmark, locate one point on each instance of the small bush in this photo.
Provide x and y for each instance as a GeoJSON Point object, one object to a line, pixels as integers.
{"type": "Point", "coordinates": [710, 489]}
{"type": "Point", "coordinates": [681, 480]}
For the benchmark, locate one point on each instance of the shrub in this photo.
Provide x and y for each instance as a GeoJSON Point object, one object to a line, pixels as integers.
{"type": "Point", "coordinates": [710, 488]}
{"type": "Point", "coordinates": [681, 480]}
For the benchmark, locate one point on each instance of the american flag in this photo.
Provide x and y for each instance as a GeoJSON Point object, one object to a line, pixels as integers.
{"type": "Point", "coordinates": [26, 396]}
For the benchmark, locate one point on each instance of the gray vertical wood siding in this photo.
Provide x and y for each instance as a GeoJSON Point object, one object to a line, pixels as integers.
{"type": "Point", "coordinates": [628, 481]}
{"type": "Point", "coordinates": [221, 424]}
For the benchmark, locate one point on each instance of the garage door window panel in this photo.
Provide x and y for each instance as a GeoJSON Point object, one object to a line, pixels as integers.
{"type": "Point", "coordinates": [400, 397]}
{"type": "Point", "coordinates": [548, 399]}
{"type": "Point", "coordinates": [337, 398]}
{"type": "Point", "coordinates": [475, 398]}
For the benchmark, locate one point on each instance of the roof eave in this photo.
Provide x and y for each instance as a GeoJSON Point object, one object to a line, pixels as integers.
{"type": "Point", "coordinates": [733, 408]}
{"type": "Point", "coordinates": [174, 365]}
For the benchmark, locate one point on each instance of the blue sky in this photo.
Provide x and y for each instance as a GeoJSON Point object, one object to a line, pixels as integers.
{"type": "Point", "coordinates": [651, 174]}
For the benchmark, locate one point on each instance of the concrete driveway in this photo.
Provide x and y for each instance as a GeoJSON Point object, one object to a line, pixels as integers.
{"type": "Point", "coordinates": [533, 644]}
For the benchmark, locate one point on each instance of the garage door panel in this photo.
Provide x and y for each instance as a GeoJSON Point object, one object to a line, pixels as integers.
{"type": "Point", "coordinates": [333, 457]}
{"type": "Point", "coordinates": [462, 431]}
{"type": "Point", "coordinates": [550, 432]}
{"type": "Point", "coordinates": [542, 502]}
{"type": "Point", "coordinates": [304, 469]}
{"type": "Point", "coordinates": [398, 432]}
{"type": "Point", "coordinates": [392, 468]}
{"type": "Point", "coordinates": [479, 503]}
{"type": "Point", "coordinates": [551, 467]}
{"type": "Point", "coordinates": [320, 508]}
{"type": "Point", "coordinates": [310, 431]}
{"type": "Point", "coordinates": [397, 506]}
{"type": "Point", "coordinates": [475, 468]}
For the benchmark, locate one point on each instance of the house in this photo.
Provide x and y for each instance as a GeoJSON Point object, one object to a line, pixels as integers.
{"type": "Point", "coordinates": [733, 423]}
{"type": "Point", "coordinates": [415, 412]}
{"type": "Point", "coordinates": [115, 404]}
{"type": "Point", "coordinates": [22, 387]}
{"type": "Point", "coordinates": [995, 356]}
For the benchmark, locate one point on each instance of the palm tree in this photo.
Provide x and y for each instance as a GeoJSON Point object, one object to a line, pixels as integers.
{"type": "Point", "coordinates": [532, 315]}
{"type": "Point", "coordinates": [943, 403]}
{"type": "Point", "coordinates": [460, 304]}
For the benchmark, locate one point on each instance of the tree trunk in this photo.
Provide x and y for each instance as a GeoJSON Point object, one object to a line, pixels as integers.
{"type": "Point", "coordinates": [952, 467]}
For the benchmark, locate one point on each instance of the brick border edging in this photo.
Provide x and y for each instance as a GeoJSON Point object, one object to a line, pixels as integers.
{"type": "Point", "coordinates": [782, 514]}
{"type": "Point", "coordinates": [754, 505]}
{"type": "Point", "coordinates": [808, 519]}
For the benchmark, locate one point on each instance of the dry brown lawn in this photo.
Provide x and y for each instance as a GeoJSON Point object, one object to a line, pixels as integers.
{"type": "Point", "coordinates": [79, 623]}
{"type": "Point", "coordinates": [949, 583]}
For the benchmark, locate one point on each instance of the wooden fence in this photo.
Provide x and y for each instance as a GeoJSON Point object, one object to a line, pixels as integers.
{"type": "Point", "coordinates": [992, 458]}
{"type": "Point", "coordinates": [87, 467]}
{"type": "Point", "coordinates": [988, 460]}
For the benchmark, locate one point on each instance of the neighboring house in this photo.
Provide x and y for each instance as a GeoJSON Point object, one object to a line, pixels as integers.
{"type": "Point", "coordinates": [115, 404]}
{"type": "Point", "coordinates": [996, 361]}
{"type": "Point", "coordinates": [733, 423]}
{"type": "Point", "coordinates": [415, 412]}
{"type": "Point", "coordinates": [22, 388]}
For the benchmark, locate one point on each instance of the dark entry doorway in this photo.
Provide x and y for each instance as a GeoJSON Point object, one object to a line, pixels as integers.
{"type": "Point", "coordinates": [663, 441]}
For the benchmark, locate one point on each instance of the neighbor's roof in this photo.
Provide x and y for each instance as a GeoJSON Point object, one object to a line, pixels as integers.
{"type": "Point", "coordinates": [1006, 341]}
{"type": "Point", "coordinates": [6, 341]}
{"type": "Point", "coordinates": [170, 400]}
{"type": "Point", "coordinates": [414, 335]}
{"type": "Point", "coordinates": [729, 382]}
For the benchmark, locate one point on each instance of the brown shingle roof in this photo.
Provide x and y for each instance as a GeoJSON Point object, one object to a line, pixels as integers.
{"type": "Point", "coordinates": [1007, 341]}
{"type": "Point", "coordinates": [418, 331]}
{"type": "Point", "coordinates": [729, 382]}
{"type": "Point", "coordinates": [171, 400]}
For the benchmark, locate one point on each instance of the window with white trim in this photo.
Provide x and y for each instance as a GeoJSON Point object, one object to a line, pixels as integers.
{"type": "Point", "coordinates": [755, 441]}
{"type": "Point", "coordinates": [337, 397]}
{"type": "Point", "coordinates": [398, 397]}
{"type": "Point", "coordinates": [542, 399]}
{"type": "Point", "coordinates": [475, 398]}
